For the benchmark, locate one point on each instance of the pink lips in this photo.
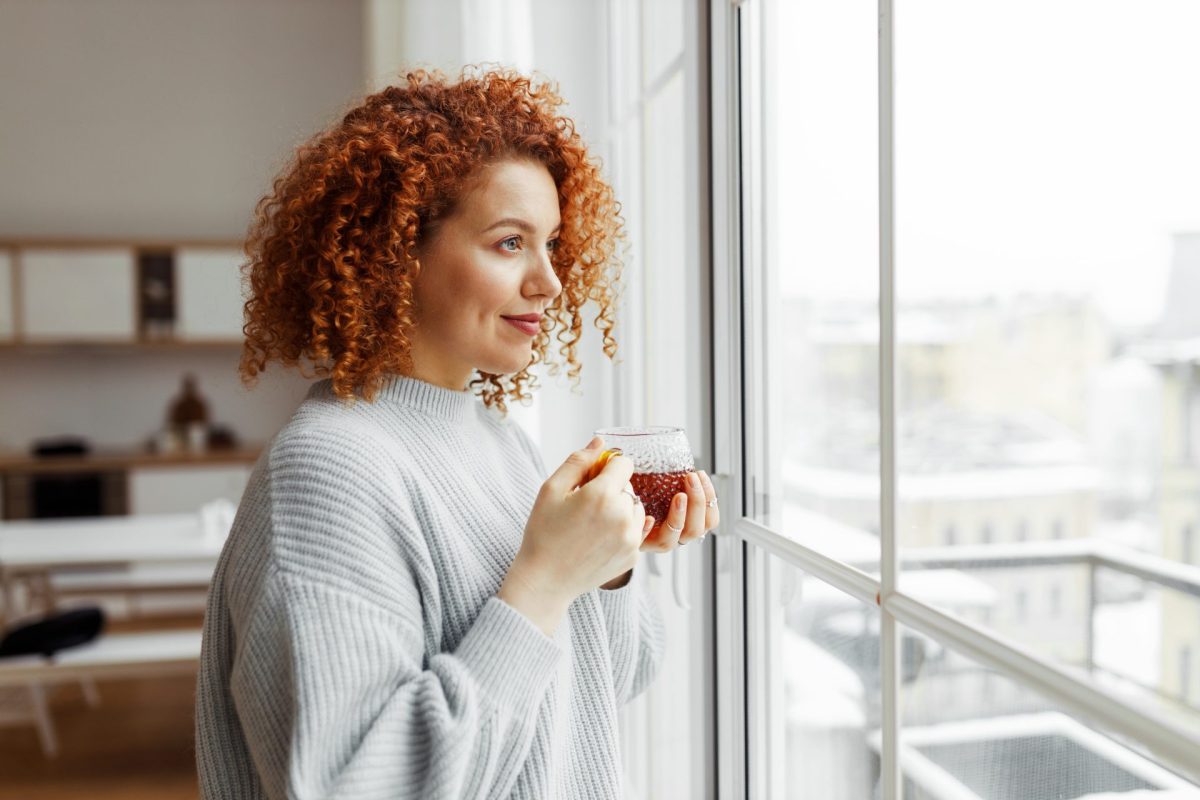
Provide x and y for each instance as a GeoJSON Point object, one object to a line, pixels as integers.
{"type": "Point", "coordinates": [530, 328]}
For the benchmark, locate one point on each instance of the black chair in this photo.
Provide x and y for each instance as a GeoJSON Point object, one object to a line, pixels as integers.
{"type": "Point", "coordinates": [54, 631]}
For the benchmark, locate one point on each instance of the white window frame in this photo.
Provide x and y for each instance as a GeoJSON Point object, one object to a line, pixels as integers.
{"type": "Point", "coordinates": [742, 590]}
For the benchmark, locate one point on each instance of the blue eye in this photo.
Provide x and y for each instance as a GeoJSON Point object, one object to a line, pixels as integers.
{"type": "Point", "coordinates": [552, 244]}
{"type": "Point", "coordinates": [510, 239]}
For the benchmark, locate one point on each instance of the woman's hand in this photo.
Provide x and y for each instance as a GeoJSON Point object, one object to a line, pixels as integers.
{"type": "Point", "coordinates": [690, 517]}
{"type": "Point", "coordinates": [578, 536]}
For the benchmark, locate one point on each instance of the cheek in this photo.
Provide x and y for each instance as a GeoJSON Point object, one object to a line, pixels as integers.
{"type": "Point", "coordinates": [487, 291]}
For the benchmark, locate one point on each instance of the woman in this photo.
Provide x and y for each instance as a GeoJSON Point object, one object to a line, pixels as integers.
{"type": "Point", "coordinates": [407, 605]}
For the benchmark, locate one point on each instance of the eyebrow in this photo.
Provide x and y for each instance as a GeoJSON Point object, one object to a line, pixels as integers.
{"type": "Point", "coordinates": [518, 223]}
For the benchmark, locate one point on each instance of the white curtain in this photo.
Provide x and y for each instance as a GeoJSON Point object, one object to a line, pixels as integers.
{"type": "Point", "coordinates": [499, 31]}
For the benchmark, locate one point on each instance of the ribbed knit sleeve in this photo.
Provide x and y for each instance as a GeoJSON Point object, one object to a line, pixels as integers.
{"type": "Point", "coordinates": [336, 689]}
{"type": "Point", "coordinates": [636, 636]}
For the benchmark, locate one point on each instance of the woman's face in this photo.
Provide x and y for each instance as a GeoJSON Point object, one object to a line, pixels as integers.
{"type": "Point", "coordinates": [489, 259]}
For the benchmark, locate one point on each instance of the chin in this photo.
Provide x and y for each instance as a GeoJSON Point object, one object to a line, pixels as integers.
{"type": "Point", "coordinates": [510, 367]}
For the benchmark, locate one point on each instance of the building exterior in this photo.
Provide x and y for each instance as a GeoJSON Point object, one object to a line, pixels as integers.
{"type": "Point", "coordinates": [1174, 349]}
{"type": "Point", "coordinates": [991, 441]}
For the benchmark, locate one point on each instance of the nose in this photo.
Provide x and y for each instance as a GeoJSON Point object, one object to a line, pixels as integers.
{"type": "Point", "coordinates": [542, 278]}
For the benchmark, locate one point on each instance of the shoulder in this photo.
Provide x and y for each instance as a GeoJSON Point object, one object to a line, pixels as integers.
{"type": "Point", "coordinates": [323, 449]}
{"type": "Point", "coordinates": [327, 431]}
{"type": "Point", "coordinates": [323, 454]}
{"type": "Point", "coordinates": [337, 509]}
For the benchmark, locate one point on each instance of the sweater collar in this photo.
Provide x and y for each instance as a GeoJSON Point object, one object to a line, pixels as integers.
{"type": "Point", "coordinates": [404, 390]}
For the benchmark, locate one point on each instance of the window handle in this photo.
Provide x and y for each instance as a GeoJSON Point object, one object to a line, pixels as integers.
{"type": "Point", "coordinates": [678, 591]}
{"type": "Point", "coordinates": [676, 588]}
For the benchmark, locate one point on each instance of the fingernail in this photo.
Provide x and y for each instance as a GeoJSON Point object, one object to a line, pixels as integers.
{"type": "Point", "coordinates": [593, 444]}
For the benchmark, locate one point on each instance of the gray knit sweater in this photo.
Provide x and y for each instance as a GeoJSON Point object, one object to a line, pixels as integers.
{"type": "Point", "coordinates": [353, 643]}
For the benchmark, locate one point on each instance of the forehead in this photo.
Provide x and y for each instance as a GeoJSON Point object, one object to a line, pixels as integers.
{"type": "Point", "coordinates": [518, 188]}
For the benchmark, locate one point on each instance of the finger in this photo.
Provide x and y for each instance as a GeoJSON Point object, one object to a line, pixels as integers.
{"type": "Point", "coordinates": [712, 514]}
{"type": "Point", "coordinates": [616, 473]}
{"type": "Point", "coordinates": [574, 469]}
{"type": "Point", "coordinates": [639, 510]}
{"type": "Point", "coordinates": [694, 517]}
{"type": "Point", "coordinates": [673, 526]}
{"type": "Point", "coordinates": [661, 538]}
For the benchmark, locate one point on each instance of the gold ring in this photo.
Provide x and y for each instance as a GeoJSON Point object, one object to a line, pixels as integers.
{"type": "Point", "coordinates": [600, 461]}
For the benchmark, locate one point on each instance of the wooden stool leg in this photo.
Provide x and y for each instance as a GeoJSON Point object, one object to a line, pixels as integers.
{"type": "Point", "coordinates": [90, 693]}
{"type": "Point", "coordinates": [41, 594]}
{"type": "Point", "coordinates": [43, 720]}
{"type": "Point", "coordinates": [50, 596]}
{"type": "Point", "coordinates": [10, 597]}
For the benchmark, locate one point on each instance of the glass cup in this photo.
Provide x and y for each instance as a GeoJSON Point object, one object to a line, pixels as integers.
{"type": "Point", "coordinates": [662, 459]}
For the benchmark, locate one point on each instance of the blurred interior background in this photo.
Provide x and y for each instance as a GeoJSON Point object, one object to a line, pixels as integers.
{"type": "Point", "coordinates": [136, 137]}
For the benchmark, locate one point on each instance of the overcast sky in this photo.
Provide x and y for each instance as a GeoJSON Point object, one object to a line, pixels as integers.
{"type": "Point", "coordinates": [1040, 145]}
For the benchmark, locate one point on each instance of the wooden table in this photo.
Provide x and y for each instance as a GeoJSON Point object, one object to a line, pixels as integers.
{"type": "Point", "coordinates": [132, 548]}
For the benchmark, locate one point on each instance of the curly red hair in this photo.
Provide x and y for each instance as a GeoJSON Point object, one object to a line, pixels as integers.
{"type": "Point", "coordinates": [332, 250]}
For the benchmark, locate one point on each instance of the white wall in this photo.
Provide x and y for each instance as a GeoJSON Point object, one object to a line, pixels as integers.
{"type": "Point", "coordinates": [117, 399]}
{"type": "Point", "coordinates": [161, 119]}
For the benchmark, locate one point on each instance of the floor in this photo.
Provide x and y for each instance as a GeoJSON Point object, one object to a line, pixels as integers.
{"type": "Point", "coordinates": [136, 745]}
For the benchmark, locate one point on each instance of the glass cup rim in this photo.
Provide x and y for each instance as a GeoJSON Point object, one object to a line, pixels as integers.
{"type": "Point", "coordinates": [637, 430]}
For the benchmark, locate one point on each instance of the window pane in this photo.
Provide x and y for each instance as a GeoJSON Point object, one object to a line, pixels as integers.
{"type": "Point", "coordinates": [829, 660]}
{"type": "Point", "coordinates": [821, 252]}
{"type": "Point", "coordinates": [1145, 636]}
{"type": "Point", "coordinates": [1048, 266]}
{"type": "Point", "coordinates": [970, 732]}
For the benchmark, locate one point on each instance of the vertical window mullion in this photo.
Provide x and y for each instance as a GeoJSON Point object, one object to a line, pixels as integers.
{"type": "Point", "coordinates": [729, 554]}
{"type": "Point", "coordinates": [890, 773]}
{"type": "Point", "coordinates": [755, 466]}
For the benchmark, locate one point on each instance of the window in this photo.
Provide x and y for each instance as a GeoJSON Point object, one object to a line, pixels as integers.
{"type": "Point", "coordinates": [1185, 673]}
{"type": "Point", "coordinates": [1193, 420]}
{"type": "Point", "coordinates": [828, 654]}
{"type": "Point", "coordinates": [874, 214]}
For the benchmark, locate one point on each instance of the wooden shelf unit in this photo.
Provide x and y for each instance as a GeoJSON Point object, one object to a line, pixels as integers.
{"type": "Point", "coordinates": [120, 257]}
